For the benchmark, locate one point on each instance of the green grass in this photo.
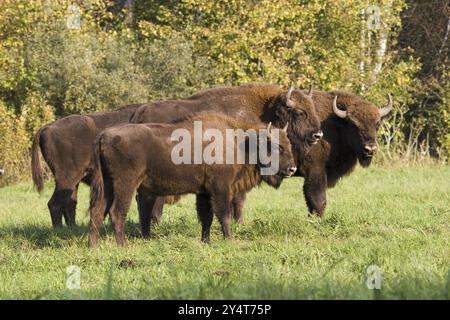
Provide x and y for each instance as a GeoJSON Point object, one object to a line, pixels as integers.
{"type": "Point", "coordinates": [397, 219]}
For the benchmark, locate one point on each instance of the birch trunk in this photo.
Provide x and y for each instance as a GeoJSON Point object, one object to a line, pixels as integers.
{"type": "Point", "coordinates": [382, 40]}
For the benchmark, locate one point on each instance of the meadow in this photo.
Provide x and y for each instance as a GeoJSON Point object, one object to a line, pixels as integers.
{"type": "Point", "coordinates": [397, 219]}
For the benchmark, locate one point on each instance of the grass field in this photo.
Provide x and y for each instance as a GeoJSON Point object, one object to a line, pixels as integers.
{"type": "Point", "coordinates": [397, 219]}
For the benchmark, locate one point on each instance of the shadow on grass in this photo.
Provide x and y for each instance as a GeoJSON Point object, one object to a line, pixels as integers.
{"type": "Point", "coordinates": [42, 236]}
{"type": "Point", "coordinates": [45, 236]}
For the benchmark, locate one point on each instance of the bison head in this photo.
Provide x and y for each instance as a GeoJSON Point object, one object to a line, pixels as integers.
{"type": "Point", "coordinates": [297, 109]}
{"type": "Point", "coordinates": [361, 120]}
{"type": "Point", "coordinates": [286, 162]}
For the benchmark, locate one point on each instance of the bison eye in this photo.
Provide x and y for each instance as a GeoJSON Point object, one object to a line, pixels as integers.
{"type": "Point", "coordinates": [300, 114]}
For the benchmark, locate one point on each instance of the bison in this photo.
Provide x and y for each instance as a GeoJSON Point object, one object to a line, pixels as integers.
{"type": "Point", "coordinates": [137, 154]}
{"type": "Point", "coordinates": [66, 145]}
{"type": "Point", "coordinates": [257, 101]}
{"type": "Point", "coordinates": [350, 126]}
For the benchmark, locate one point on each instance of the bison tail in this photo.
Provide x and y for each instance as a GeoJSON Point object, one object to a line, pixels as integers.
{"type": "Point", "coordinates": [97, 201]}
{"type": "Point", "coordinates": [36, 168]}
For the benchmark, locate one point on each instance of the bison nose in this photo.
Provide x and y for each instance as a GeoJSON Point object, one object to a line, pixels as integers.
{"type": "Point", "coordinates": [370, 148]}
{"type": "Point", "coordinates": [318, 135]}
{"type": "Point", "coordinates": [292, 170]}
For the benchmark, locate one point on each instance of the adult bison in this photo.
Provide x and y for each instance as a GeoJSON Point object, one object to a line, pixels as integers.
{"type": "Point", "coordinates": [350, 126]}
{"type": "Point", "coordinates": [66, 145]}
{"type": "Point", "coordinates": [137, 154]}
{"type": "Point", "coordinates": [260, 101]}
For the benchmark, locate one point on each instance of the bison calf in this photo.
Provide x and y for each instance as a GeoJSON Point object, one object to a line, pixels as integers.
{"type": "Point", "coordinates": [135, 154]}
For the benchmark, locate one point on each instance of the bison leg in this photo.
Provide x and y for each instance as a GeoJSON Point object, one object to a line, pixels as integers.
{"type": "Point", "coordinates": [157, 209]}
{"type": "Point", "coordinates": [55, 207]}
{"type": "Point", "coordinates": [58, 205]}
{"type": "Point", "coordinates": [70, 208]}
{"type": "Point", "coordinates": [205, 215]}
{"type": "Point", "coordinates": [221, 204]}
{"type": "Point", "coordinates": [118, 222]}
{"type": "Point", "coordinates": [146, 202]}
{"type": "Point", "coordinates": [123, 194]}
{"type": "Point", "coordinates": [97, 216]}
{"type": "Point", "coordinates": [237, 207]}
{"type": "Point", "coordinates": [314, 189]}
{"type": "Point", "coordinates": [146, 205]}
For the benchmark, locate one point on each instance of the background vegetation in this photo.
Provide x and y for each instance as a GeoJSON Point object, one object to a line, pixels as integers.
{"type": "Point", "coordinates": [63, 57]}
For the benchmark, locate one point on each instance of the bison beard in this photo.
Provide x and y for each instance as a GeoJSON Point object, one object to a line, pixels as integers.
{"type": "Point", "coordinates": [131, 155]}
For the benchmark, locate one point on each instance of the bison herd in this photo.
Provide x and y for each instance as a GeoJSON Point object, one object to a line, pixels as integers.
{"type": "Point", "coordinates": [321, 137]}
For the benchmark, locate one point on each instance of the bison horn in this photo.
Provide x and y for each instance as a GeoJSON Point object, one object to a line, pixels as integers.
{"type": "Point", "coordinates": [340, 113]}
{"type": "Point", "coordinates": [310, 91]}
{"type": "Point", "coordinates": [385, 111]}
{"type": "Point", "coordinates": [269, 128]}
{"type": "Point", "coordinates": [289, 102]}
{"type": "Point", "coordinates": [286, 126]}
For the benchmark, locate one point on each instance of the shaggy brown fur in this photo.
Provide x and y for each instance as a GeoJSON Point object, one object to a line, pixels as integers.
{"type": "Point", "coordinates": [130, 155]}
{"type": "Point", "coordinates": [66, 146]}
{"type": "Point", "coordinates": [342, 146]}
{"type": "Point", "coordinates": [256, 101]}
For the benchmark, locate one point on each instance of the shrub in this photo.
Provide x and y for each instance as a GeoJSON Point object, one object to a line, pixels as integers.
{"type": "Point", "coordinates": [16, 132]}
{"type": "Point", "coordinates": [79, 72]}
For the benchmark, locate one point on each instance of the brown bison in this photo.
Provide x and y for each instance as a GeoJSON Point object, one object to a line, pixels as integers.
{"type": "Point", "coordinates": [66, 145]}
{"type": "Point", "coordinates": [142, 154]}
{"type": "Point", "coordinates": [262, 102]}
{"type": "Point", "coordinates": [350, 126]}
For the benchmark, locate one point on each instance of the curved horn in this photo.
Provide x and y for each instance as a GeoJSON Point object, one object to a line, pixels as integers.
{"type": "Point", "coordinates": [310, 91]}
{"type": "Point", "coordinates": [286, 126]}
{"type": "Point", "coordinates": [340, 113]}
{"type": "Point", "coordinates": [289, 102]}
{"type": "Point", "coordinates": [269, 128]}
{"type": "Point", "coordinates": [385, 111]}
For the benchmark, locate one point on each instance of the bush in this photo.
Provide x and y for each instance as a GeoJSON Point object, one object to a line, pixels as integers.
{"type": "Point", "coordinates": [16, 132]}
{"type": "Point", "coordinates": [79, 72]}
